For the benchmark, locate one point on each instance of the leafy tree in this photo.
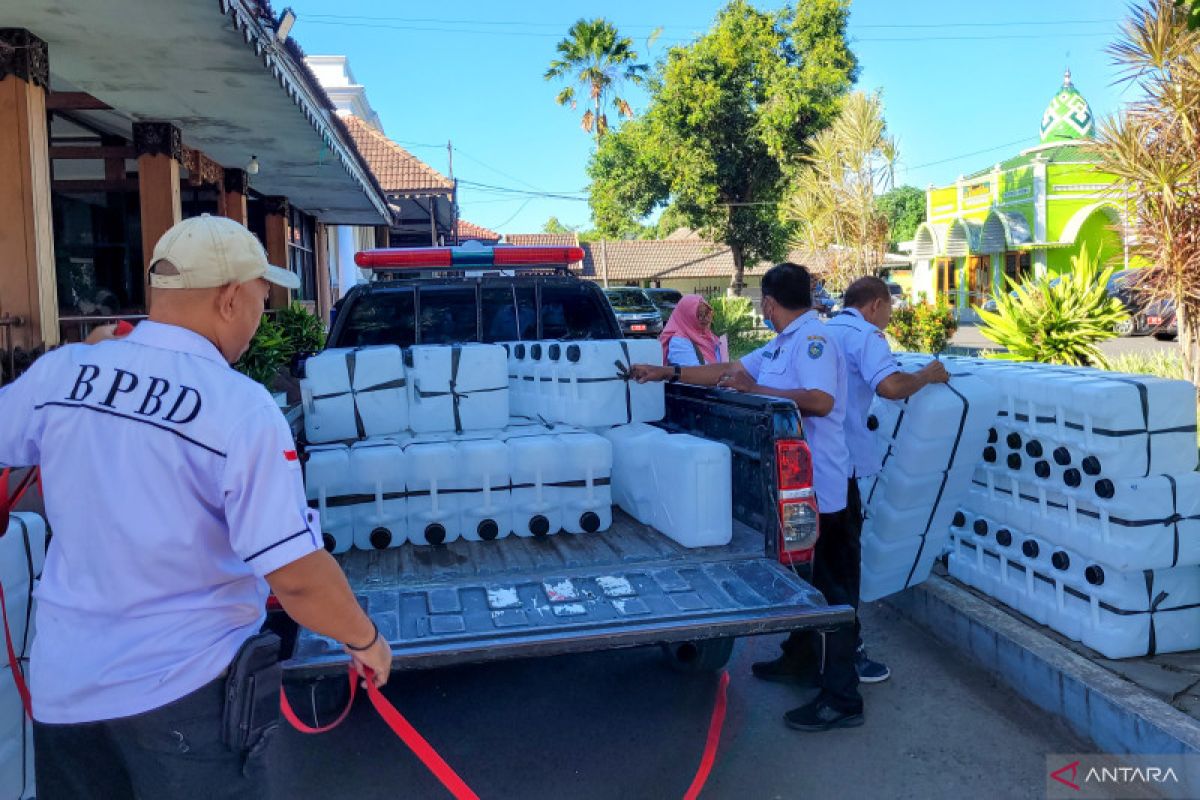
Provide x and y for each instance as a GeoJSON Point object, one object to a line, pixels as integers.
{"type": "Point", "coordinates": [599, 60]}
{"type": "Point", "coordinates": [904, 207]}
{"type": "Point", "coordinates": [1056, 320]}
{"type": "Point", "coordinates": [553, 225]}
{"type": "Point", "coordinates": [1154, 148]}
{"type": "Point", "coordinates": [833, 198]}
{"type": "Point", "coordinates": [1192, 8]}
{"type": "Point", "coordinates": [728, 121]}
{"type": "Point", "coordinates": [924, 327]}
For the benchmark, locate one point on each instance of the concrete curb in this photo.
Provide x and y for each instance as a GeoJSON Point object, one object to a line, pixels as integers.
{"type": "Point", "coordinates": [1119, 716]}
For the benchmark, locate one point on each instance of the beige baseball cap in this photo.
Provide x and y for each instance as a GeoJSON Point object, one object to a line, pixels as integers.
{"type": "Point", "coordinates": [209, 251]}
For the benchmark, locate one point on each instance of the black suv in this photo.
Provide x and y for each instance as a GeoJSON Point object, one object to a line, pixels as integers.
{"type": "Point", "coordinates": [636, 314]}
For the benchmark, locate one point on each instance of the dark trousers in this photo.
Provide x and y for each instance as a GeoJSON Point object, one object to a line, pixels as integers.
{"type": "Point", "coordinates": [171, 752]}
{"type": "Point", "coordinates": [837, 572]}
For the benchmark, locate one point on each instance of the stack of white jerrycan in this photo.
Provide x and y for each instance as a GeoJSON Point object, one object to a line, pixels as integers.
{"type": "Point", "coordinates": [22, 554]}
{"type": "Point", "coordinates": [479, 442]}
{"type": "Point", "coordinates": [928, 447]}
{"type": "Point", "coordinates": [1084, 509]}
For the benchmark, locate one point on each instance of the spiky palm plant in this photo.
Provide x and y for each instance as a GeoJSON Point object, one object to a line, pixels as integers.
{"type": "Point", "coordinates": [599, 60]}
{"type": "Point", "coordinates": [1153, 145]}
{"type": "Point", "coordinates": [1059, 320]}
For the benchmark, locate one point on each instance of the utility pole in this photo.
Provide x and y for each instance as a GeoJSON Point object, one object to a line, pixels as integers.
{"type": "Point", "coordinates": [454, 198]}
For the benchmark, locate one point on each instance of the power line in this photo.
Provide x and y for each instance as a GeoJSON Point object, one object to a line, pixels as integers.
{"type": "Point", "coordinates": [1022, 140]}
{"type": "Point", "coordinates": [515, 214]}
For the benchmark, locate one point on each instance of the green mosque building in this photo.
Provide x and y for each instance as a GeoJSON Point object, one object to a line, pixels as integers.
{"type": "Point", "coordinates": [1026, 215]}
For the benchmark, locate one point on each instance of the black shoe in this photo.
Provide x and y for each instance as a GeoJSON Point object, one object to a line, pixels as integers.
{"type": "Point", "coordinates": [785, 670]}
{"type": "Point", "coordinates": [870, 671]}
{"type": "Point", "coordinates": [819, 716]}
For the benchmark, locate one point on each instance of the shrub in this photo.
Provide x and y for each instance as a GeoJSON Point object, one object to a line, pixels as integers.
{"type": "Point", "coordinates": [923, 327]}
{"type": "Point", "coordinates": [732, 316]}
{"type": "Point", "coordinates": [1162, 363]}
{"type": "Point", "coordinates": [747, 342]}
{"type": "Point", "coordinates": [268, 353]}
{"type": "Point", "coordinates": [1056, 321]}
{"type": "Point", "coordinates": [303, 330]}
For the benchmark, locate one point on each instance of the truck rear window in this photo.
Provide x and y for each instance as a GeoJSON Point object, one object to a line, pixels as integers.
{"type": "Point", "coordinates": [468, 313]}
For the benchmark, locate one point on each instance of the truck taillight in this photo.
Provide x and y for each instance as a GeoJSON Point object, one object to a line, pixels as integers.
{"type": "Point", "coordinates": [273, 603]}
{"type": "Point", "coordinates": [798, 511]}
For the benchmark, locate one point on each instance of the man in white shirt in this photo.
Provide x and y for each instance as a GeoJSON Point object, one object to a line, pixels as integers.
{"type": "Point", "coordinates": [803, 365]}
{"type": "Point", "coordinates": [871, 369]}
{"type": "Point", "coordinates": [174, 491]}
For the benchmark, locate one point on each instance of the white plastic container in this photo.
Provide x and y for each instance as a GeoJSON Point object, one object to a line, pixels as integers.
{"type": "Point", "coordinates": [1127, 523]}
{"type": "Point", "coordinates": [22, 554]}
{"type": "Point", "coordinates": [329, 485]}
{"type": "Point", "coordinates": [694, 498]}
{"type": "Point", "coordinates": [486, 506]}
{"type": "Point", "coordinates": [586, 492]}
{"type": "Point", "coordinates": [583, 383]}
{"type": "Point", "coordinates": [930, 447]}
{"type": "Point", "coordinates": [354, 393]}
{"type": "Point", "coordinates": [458, 388]}
{"type": "Point", "coordinates": [434, 477]}
{"type": "Point", "coordinates": [16, 740]}
{"type": "Point", "coordinates": [378, 469]}
{"type": "Point", "coordinates": [535, 465]}
{"type": "Point", "coordinates": [635, 450]}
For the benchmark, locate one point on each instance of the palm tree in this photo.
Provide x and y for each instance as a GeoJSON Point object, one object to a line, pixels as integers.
{"type": "Point", "coordinates": [600, 60]}
{"type": "Point", "coordinates": [1153, 145]}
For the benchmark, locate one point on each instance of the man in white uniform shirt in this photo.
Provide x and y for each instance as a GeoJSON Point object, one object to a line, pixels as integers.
{"type": "Point", "coordinates": [871, 370]}
{"type": "Point", "coordinates": [174, 491]}
{"type": "Point", "coordinates": [803, 365]}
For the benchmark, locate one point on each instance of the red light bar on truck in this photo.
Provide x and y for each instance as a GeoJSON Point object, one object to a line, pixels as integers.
{"type": "Point", "coordinates": [466, 257]}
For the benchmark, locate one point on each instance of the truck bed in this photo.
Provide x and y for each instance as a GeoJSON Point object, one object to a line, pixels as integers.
{"type": "Point", "coordinates": [630, 585]}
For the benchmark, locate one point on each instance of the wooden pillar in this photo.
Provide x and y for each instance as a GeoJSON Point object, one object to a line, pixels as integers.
{"type": "Point", "coordinates": [234, 195]}
{"type": "Point", "coordinates": [276, 244]}
{"type": "Point", "coordinates": [159, 148]}
{"type": "Point", "coordinates": [324, 290]}
{"type": "Point", "coordinates": [28, 287]}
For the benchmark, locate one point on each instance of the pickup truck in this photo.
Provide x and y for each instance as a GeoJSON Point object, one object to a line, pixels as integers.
{"type": "Point", "coordinates": [624, 587]}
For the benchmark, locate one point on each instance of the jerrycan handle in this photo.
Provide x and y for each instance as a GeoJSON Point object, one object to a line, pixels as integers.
{"type": "Point", "coordinates": [306, 398]}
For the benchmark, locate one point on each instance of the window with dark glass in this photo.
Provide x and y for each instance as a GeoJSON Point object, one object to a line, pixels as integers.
{"type": "Point", "coordinates": [573, 312]}
{"type": "Point", "coordinates": [301, 252]}
{"type": "Point", "coordinates": [380, 318]}
{"type": "Point", "coordinates": [1017, 265]}
{"type": "Point", "coordinates": [448, 314]}
{"type": "Point", "coordinates": [499, 313]}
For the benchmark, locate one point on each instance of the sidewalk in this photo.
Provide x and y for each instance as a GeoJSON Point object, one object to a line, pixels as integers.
{"type": "Point", "coordinates": [1139, 705]}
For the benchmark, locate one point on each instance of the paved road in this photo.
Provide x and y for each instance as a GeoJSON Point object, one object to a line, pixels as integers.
{"type": "Point", "coordinates": [620, 725]}
{"type": "Point", "coordinates": [969, 336]}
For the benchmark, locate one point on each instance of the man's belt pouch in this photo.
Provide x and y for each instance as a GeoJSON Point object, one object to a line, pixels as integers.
{"type": "Point", "coordinates": [252, 692]}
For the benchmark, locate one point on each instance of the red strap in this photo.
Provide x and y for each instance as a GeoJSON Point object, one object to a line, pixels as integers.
{"type": "Point", "coordinates": [399, 725]}
{"type": "Point", "coordinates": [7, 501]}
{"type": "Point", "coordinates": [13, 664]}
{"type": "Point", "coordinates": [299, 725]}
{"type": "Point", "coordinates": [714, 739]}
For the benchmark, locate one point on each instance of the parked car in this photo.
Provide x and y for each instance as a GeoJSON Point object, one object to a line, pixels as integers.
{"type": "Point", "coordinates": [825, 303]}
{"type": "Point", "coordinates": [636, 314]}
{"type": "Point", "coordinates": [465, 602]}
{"type": "Point", "coordinates": [899, 298]}
{"type": "Point", "coordinates": [664, 300]}
{"type": "Point", "coordinates": [1146, 316]}
{"type": "Point", "coordinates": [1158, 319]}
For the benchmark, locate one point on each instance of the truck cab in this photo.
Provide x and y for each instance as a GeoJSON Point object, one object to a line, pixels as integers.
{"type": "Point", "coordinates": [628, 586]}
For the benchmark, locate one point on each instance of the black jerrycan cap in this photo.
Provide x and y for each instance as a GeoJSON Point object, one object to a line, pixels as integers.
{"type": "Point", "coordinates": [1030, 548]}
{"type": "Point", "coordinates": [488, 530]}
{"type": "Point", "coordinates": [960, 519]}
{"type": "Point", "coordinates": [1105, 489]}
{"type": "Point", "coordinates": [993, 436]}
{"type": "Point", "coordinates": [1060, 560]}
{"type": "Point", "coordinates": [539, 526]}
{"type": "Point", "coordinates": [519, 351]}
{"type": "Point", "coordinates": [1094, 575]}
{"type": "Point", "coordinates": [381, 538]}
{"type": "Point", "coordinates": [555, 352]}
{"type": "Point", "coordinates": [980, 527]}
{"type": "Point", "coordinates": [872, 423]}
{"type": "Point", "coordinates": [435, 533]}
{"type": "Point", "coordinates": [989, 454]}
{"type": "Point", "coordinates": [328, 541]}
{"type": "Point", "coordinates": [1062, 456]}
{"type": "Point", "coordinates": [1004, 537]}
{"type": "Point", "coordinates": [1034, 449]}
{"type": "Point", "coordinates": [590, 521]}
{"type": "Point", "coordinates": [1042, 469]}
{"type": "Point", "coordinates": [535, 352]}
{"type": "Point", "coordinates": [1014, 460]}
{"type": "Point", "coordinates": [1091, 466]}
{"type": "Point", "coordinates": [1014, 441]}
{"type": "Point", "coordinates": [1072, 478]}
{"type": "Point", "coordinates": [574, 353]}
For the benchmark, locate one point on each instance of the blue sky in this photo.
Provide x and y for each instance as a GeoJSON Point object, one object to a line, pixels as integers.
{"type": "Point", "coordinates": [957, 78]}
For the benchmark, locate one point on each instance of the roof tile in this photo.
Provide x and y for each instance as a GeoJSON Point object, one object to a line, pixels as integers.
{"type": "Point", "coordinates": [397, 170]}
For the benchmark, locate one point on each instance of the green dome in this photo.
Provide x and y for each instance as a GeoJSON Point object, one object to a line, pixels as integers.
{"type": "Point", "coordinates": [1068, 116]}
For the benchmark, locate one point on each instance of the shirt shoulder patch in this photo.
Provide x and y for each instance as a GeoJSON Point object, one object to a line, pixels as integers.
{"type": "Point", "coordinates": [816, 348]}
